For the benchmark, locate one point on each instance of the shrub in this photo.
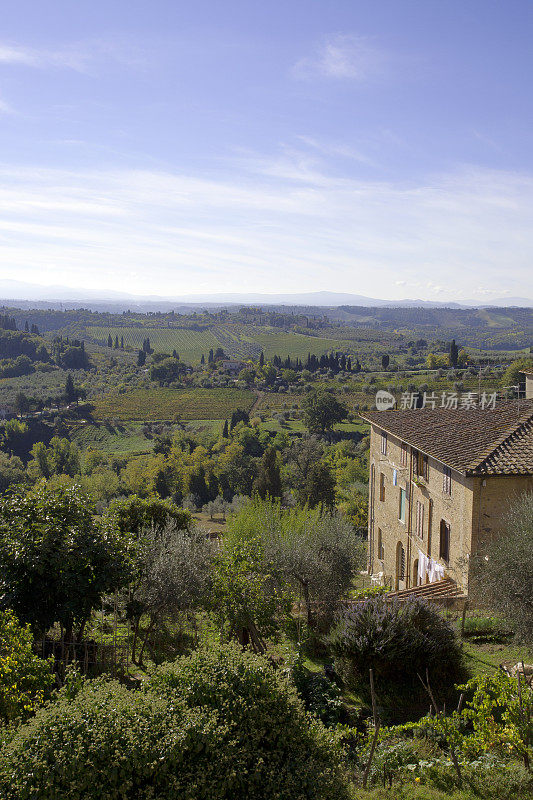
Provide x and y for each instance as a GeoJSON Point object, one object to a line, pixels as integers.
{"type": "Point", "coordinates": [398, 641]}
{"type": "Point", "coordinates": [25, 678]}
{"type": "Point", "coordinates": [219, 724]}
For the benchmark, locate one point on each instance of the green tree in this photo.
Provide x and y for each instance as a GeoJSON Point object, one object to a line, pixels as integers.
{"type": "Point", "coordinates": [320, 486]}
{"type": "Point", "coordinates": [56, 560]}
{"type": "Point", "coordinates": [135, 514]}
{"type": "Point", "coordinates": [502, 572]}
{"type": "Point", "coordinates": [322, 411]}
{"type": "Point", "coordinates": [385, 360]}
{"type": "Point", "coordinates": [11, 471]}
{"type": "Point", "coordinates": [25, 679]}
{"type": "Point", "coordinates": [514, 374]}
{"type": "Point", "coordinates": [314, 553]}
{"type": "Point", "coordinates": [22, 404]}
{"type": "Point", "coordinates": [268, 481]}
{"type": "Point", "coordinates": [70, 390]}
{"type": "Point", "coordinates": [141, 358]}
{"type": "Point", "coordinates": [454, 353]}
{"type": "Point", "coordinates": [172, 570]}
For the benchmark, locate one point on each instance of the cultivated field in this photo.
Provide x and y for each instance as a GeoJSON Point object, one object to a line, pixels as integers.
{"type": "Point", "coordinates": [238, 341]}
{"type": "Point", "coordinates": [166, 403]}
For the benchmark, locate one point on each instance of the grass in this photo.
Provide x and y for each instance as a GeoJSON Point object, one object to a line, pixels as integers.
{"type": "Point", "coordinates": [166, 404]}
{"type": "Point", "coordinates": [127, 439]}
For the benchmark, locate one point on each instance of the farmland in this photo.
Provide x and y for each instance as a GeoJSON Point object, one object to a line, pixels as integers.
{"type": "Point", "coordinates": [238, 341]}
{"type": "Point", "coordinates": [190, 344]}
{"type": "Point", "coordinates": [167, 403]}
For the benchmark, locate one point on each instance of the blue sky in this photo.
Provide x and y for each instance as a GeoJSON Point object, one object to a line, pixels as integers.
{"type": "Point", "coordinates": [166, 147]}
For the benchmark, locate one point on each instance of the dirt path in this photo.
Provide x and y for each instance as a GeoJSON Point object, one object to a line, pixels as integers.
{"type": "Point", "coordinates": [258, 398]}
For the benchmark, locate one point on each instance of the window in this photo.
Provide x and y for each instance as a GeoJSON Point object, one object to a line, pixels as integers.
{"type": "Point", "coordinates": [403, 455]}
{"type": "Point", "coordinates": [381, 549]}
{"type": "Point", "coordinates": [444, 551]}
{"type": "Point", "coordinates": [419, 522]}
{"type": "Point", "coordinates": [381, 486]}
{"type": "Point", "coordinates": [383, 443]}
{"type": "Point", "coordinates": [421, 465]}
{"type": "Point", "coordinates": [401, 509]}
{"type": "Point", "coordinates": [447, 481]}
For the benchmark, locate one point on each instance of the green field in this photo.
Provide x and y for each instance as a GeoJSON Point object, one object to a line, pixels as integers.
{"type": "Point", "coordinates": [125, 439]}
{"type": "Point", "coordinates": [191, 345]}
{"type": "Point", "coordinates": [236, 340]}
{"type": "Point", "coordinates": [166, 403]}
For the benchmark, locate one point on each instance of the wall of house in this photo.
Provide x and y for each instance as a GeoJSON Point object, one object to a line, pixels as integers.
{"type": "Point", "coordinates": [456, 509]}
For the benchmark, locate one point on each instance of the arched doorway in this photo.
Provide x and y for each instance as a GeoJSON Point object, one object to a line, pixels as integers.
{"type": "Point", "coordinates": [400, 566]}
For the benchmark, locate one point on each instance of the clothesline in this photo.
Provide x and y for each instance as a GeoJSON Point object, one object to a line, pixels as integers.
{"type": "Point", "coordinates": [430, 568]}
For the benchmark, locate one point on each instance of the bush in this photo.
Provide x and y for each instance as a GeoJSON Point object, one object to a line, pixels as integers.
{"type": "Point", "coordinates": [218, 724]}
{"type": "Point", "coordinates": [399, 641]}
{"type": "Point", "coordinates": [25, 679]}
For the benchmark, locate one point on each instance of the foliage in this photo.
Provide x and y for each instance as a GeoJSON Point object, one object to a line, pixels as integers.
{"type": "Point", "coordinates": [500, 714]}
{"type": "Point", "coordinates": [171, 575]}
{"type": "Point", "coordinates": [25, 679]}
{"type": "Point", "coordinates": [503, 571]}
{"type": "Point", "coordinates": [315, 552]}
{"type": "Point", "coordinates": [322, 411]}
{"type": "Point", "coordinates": [268, 481]}
{"type": "Point", "coordinates": [320, 695]}
{"type": "Point", "coordinates": [246, 595]}
{"type": "Point", "coordinates": [217, 726]}
{"type": "Point", "coordinates": [55, 559]}
{"type": "Point", "coordinates": [61, 457]}
{"type": "Point", "coordinates": [11, 471]}
{"type": "Point", "coordinates": [399, 641]}
{"type": "Point", "coordinates": [134, 514]}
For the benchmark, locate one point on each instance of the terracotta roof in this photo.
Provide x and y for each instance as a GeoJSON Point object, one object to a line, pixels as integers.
{"type": "Point", "coordinates": [473, 441]}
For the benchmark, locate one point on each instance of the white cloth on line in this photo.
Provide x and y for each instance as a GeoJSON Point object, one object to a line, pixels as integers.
{"type": "Point", "coordinates": [422, 567]}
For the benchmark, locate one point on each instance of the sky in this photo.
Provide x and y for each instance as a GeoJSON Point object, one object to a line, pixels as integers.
{"type": "Point", "coordinates": [162, 147]}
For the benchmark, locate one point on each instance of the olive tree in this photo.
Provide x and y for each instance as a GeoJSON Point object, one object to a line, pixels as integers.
{"type": "Point", "coordinates": [503, 571]}
{"type": "Point", "coordinates": [172, 569]}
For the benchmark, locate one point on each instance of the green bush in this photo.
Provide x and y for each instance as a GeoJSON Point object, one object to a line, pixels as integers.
{"type": "Point", "coordinates": [215, 725]}
{"type": "Point", "coordinates": [25, 679]}
{"type": "Point", "coordinates": [399, 641]}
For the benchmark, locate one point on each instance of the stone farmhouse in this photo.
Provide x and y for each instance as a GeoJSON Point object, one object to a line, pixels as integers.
{"type": "Point", "coordinates": [441, 481]}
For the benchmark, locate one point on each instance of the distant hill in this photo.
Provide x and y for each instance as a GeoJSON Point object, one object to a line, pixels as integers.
{"type": "Point", "coordinates": [67, 297]}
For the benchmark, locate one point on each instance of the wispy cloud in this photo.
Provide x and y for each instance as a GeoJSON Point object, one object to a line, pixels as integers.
{"type": "Point", "coordinates": [343, 56]}
{"type": "Point", "coordinates": [5, 108]}
{"type": "Point", "coordinates": [81, 57]}
{"type": "Point", "coordinates": [278, 225]}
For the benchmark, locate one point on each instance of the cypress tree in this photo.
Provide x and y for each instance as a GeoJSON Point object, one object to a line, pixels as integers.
{"type": "Point", "coordinates": [225, 432]}
{"type": "Point", "coordinates": [109, 341]}
{"type": "Point", "coordinates": [261, 359]}
{"type": "Point", "coordinates": [454, 353]}
{"type": "Point", "coordinates": [268, 481]}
